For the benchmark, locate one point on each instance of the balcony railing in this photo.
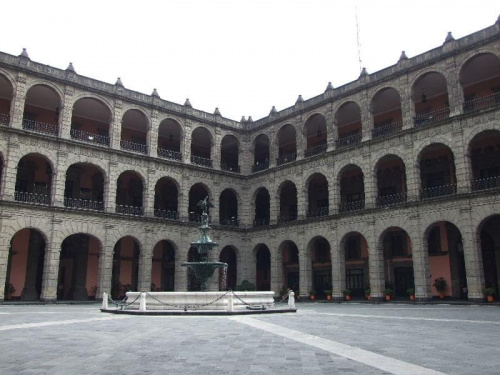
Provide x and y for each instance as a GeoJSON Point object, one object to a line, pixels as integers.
{"type": "Point", "coordinates": [166, 214]}
{"type": "Point", "coordinates": [89, 137]}
{"type": "Point", "coordinates": [429, 118]}
{"type": "Point", "coordinates": [315, 150]}
{"type": "Point", "coordinates": [287, 217]}
{"type": "Point", "coordinates": [230, 168]}
{"type": "Point", "coordinates": [232, 222]}
{"type": "Point", "coordinates": [261, 222]}
{"type": "Point", "coordinates": [83, 203]}
{"type": "Point", "coordinates": [4, 119]}
{"type": "Point", "coordinates": [482, 103]}
{"type": "Point", "coordinates": [129, 210]}
{"type": "Point", "coordinates": [194, 217]}
{"type": "Point", "coordinates": [169, 154]}
{"type": "Point", "coordinates": [321, 211]}
{"type": "Point", "coordinates": [198, 160]}
{"type": "Point", "coordinates": [486, 183]}
{"type": "Point", "coordinates": [260, 166]}
{"type": "Point", "coordinates": [286, 158]}
{"type": "Point", "coordinates": [438, 191]}
{"type": "Point", "coordinates": [388, 200]}
{"type": "Point", "coordinates": [386, 130]}
{"type": "Point", "coordinates": [352, 206]}
{"type": "Point", "coordinates": [348, 141]}
{"type": "Point", "coordinates": [23, 196]}
{"type": "Point", "coordinates": [40, 127]}
{"type": "Point", "coordinates": [135, 147]}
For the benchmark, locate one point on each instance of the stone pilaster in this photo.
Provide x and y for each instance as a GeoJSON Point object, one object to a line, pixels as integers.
{"type": "Point", "coordinates": [376, 265]}
{"type": "Point", "coordinates": [370, 184]}
{"type": "Point", "coordinates": [116, 126]}
{"type": "Point", "coordinates": [186, 144]}
{"type": "Point", "coordinates": [149, 193]}
{"type": "Point", "coordinates": [4, 255]}
{"type": "Point", "coordinates": [51, 265]}
{"type": "Point", "coordinates": [18, 101]}
{"type": "Point", "coordinates": [145, 264]}
{"type": "Point", "coordinates": [58, 180]}
{"type": "Point", "coordinates": [66, 113]}
{"type": "Point", "coordinates": [305, 271]}
{"type": "Point", "coordinates": [338, 267]}
{"type": "Point", "coordinates": [421, 270]}
{"type": "Point", "coordinates": [407, 107]}
{"type": "Point", "coordinates": [366, 117]}
{"type": "Point", "coordinates": [215, 153]}
{"type": "Point", "coordinates": [110, 199]}
{"type": "Point", "coordinates": [9, 172]}
{"type": "Point", "coordinates": [153, 135]}
{"type": "Point", "coordinates": [105, 267]}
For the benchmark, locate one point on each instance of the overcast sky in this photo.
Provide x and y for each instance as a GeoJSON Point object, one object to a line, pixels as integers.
{"type": "Point", "coordinates": [241, 56]}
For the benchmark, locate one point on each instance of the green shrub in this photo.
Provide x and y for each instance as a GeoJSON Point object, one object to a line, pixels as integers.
{"type": "Point", "coordinates": [245, 286]}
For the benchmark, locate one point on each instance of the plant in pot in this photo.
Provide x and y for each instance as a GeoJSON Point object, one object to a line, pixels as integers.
{"type": "Point", "coordinates": [388, 294]}
{"type": "Point", "coordinates": [283, 292]}
{"type": "Point", "coordinates": [441, 285]}
{"type": "Point", "coordinates": [368, 293]}
{"type": "Point", "coordinates": [328, 293]}
{"type": "Point", "coordinates": [411, 293]}
{"type": "Point", "coordinates": [312, 295]}
{"type": "Point", "coordinates": [10, 291]}
{"type": "Point", "coordinates": [347, 294]}
{"type": "Point", "coordinates": [490, 294]}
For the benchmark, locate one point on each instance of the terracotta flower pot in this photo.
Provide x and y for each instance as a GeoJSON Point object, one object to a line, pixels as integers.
{"type": "Point", "coordinates": [348, 297]}
{"type": "Point", "coordinates": [387, 297]}
{"type": "Point", "coordinates": [329, 297]}
{"type": "Point", "coordinates": [368, 297]}
{"type": "Point", "coordinates": [412, 297]}
{"type": "Point", "coordinates": [313, 297]}
{"type": "Point", "coordinates": [441, 295]}
{"type": "Point", "coordinates": [490, 298]}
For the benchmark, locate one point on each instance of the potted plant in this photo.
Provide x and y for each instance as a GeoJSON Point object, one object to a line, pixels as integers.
{"type": "Point", "coordinates": [312, 295]}
{"type": "Point", "coordinates": [347, 294]}
{"type": "Point", "coordinates": [368, 293]}
{"type": "Point", "coordinates": [283, 292]}
{"type": "Point", "coordinates": [490, 294]}
{"type": "Point", "coordinates": [411, 293]}
{"type": "Point", "coordinates": [328, 293]}
{"type": "Point", "coordinates": [10, 291]}
{"type": "Point", "coordinates": [441, 285]}
{"type": "Point", "coordinates": [388, 294]}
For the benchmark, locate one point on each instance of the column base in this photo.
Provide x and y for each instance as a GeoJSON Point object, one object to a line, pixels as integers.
{"type": "Point", "coordinates": [423, 299]}
{"type": "Point", "coordinates": [337, 299]}
{"type": "Point", "coordinates": [476, 300]}
{"type": "Point", "coordinates": [48, 299]}
{"type": "Point", "coordinates": [377, 299]}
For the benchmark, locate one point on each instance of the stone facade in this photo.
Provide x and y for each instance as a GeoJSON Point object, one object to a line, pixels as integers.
{"type": "Point", "coordinates": [466, 208]}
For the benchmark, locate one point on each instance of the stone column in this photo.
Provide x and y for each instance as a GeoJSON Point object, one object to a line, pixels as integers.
{"type": "Point", "coordinates": [301, 138]}
{"type": "Point", "coordinates": [105, 265]}
{"type": "Point", "coordinates": [274, 206]}
{"type": "Point", "coordinates": [302, 204]}
{"type": "Point", "coordinates": [462, 173]}
{"type": "Point", "coordinates": [116, 126]}
{"type": "Point", "coordinates": [9, 172]}
{"type": "Point", "coordinates": [18, 101]}
{"type": "Point", "coordinates": [66, 113]}
{"type": "Point", "coordinates": [215, 153]}
{"type": "Point", "coordinates": [412, 179]}
{"type": "Point", "coordinates": [110, 199]}
{"type": "Point", "coordinates": [149, 193]}
{"type": "Point", "coordinates": [29, 292]}
{"type": "Point", "coordinates": [4, 257]}
{"type": "Point", "coordinates": [145, 264]}
{"type": "Point", "coordinates": [407, 108]}
{"type": "Point", "coordinates": [370, 185]}
{"type": "Point", "coordinates": [455, 96]}
{"type": "Point", "coordinates": [473, 257]}
{"type": "Point", "coordinates": [366, 117]}
{"type": "Point", "coordinates": [51, 265]}
{"type": "Point", "coordinates": [186, 151]}
{"type": "Point", "coordinates": [245, 158]}
{"type": "Point", "coordinates": [153, 135]}
{"type": "Point", "coordinates": [58, 180]}
{"type": "Point", "coordinates": [376, 265]}
{"type": "Point", "coordinates": [331, 131]}
{"type": "Point", "coordinates": [305, 271]}
{"type": "Point", "coordinates": [337, 254]}
{"type": "Point", "coordinates": [273, 150]}
{"type": "Point", "coordinates": [333, 195]}
{"type": "Point", "coordinates": [421, 270]}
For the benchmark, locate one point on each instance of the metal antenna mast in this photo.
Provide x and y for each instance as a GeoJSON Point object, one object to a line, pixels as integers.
{"type": "Point", "coordinates": [357, 38]}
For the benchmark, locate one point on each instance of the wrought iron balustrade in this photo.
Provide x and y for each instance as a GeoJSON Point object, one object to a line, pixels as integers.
{"type": "Point", "coordinates": [349, 140]}
{"type": "Point", "coordinates": [429, 118]}
{"type": "Point", "coordinates": [260, 222]}
{"type": "Point", "coordinates": [198, 160]}
{"type": "Point", "coordinates": [129, 210]}
{"type": "Point", "coordinates": [352, 206]}
{"type": "Point", "coordinates": [260, 166]}
{"type": "Point", "coordinates": [4, 119]}
{"type": "Point", "coordinates": [315, 150]}
{"type": "Point", "coordinates": [194, 217]}
{"type": "Point", "coordinates": [438, 191]}
{"type": "Point", "coordinates": [388, 200]}
{"type": "Point", "coordinates": [169, 154]}
{"type": "Point", "coordinates": [24, 196]}
{"type": "Point", "coordinates": [135, 147]}
{"type": "Point", "coordinates": [321, 211]}
{"type": "Point", "coordinates": [83, 203]}
{"type": "Point", "coordinates": [40, 127]}
{"type": "Point", "coordinates": [287, 218]}
{"type": "Point", "coordinates": [89, 137]}
{"type": "Point", "coordinates": [166, 214]}
{"type": "Point", "coordinates": [482, 103]}
{"type": "Point", "coordinates": [386, 130]}
{"type": "Point", "coordinates": [486, 183]}
{"type": "Point", "coordinates": [230, 168]}
{"type": "Point", "coordinates": [286, 158]}
{"type": "Point", "coordinates": [232, 222]}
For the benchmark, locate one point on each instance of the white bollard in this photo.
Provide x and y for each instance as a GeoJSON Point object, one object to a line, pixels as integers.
{"type": "Point", "coordinates": [291, 299]}
{"type": "Point", "coordinates": [142, 302]}
{"type": "Point", "coordinates": [104, 301]}
{"type": "Point", "coordinates": [230, 302]}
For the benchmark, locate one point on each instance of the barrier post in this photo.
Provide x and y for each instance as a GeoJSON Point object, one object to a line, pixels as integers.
{"type": "Point", "coordinates": [104, 305]}
{"type": "Point", "coordinates": [142, 302]}
{"type": "Point", "coordinates": [291, 299]}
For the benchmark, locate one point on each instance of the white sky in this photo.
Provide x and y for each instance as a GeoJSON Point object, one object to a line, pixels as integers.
{"type": "Point", "coordinates": [240, 56]}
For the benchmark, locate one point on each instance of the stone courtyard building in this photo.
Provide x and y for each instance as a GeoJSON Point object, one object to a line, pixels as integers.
{"type": "Point", "coordinates": [389, 181]}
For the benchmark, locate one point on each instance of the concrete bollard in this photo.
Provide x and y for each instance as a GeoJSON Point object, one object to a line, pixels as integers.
{"type": "Point", "coordinates": [230, 302]}
{"type": "Point", "coordinates": [104, 301]}
{"type": "Point", "coordinates": [291, 299]}
{"type": "Point", "coordinates": [142, 302]}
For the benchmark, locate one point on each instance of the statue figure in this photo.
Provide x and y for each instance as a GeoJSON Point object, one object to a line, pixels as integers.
{"type": "Point", "coordinates": [204, 204]}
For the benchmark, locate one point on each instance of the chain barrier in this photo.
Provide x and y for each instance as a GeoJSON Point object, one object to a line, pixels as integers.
{"type": "Point", "coordinates": [122, 304]}
{"type": "Point", "coordinates": [186, 307]}
{"type": "Point", "coordinates": [248, 304]}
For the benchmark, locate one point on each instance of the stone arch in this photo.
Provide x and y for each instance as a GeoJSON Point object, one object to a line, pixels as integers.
{"type": "Point", "coordinates": [103, 100]}
{"type": "Point", "coordinates": [40, 82]}
{"type": "Point", "coordinates": [133, 107]}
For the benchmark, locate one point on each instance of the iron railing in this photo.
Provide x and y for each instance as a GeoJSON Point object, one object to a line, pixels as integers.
{"type": "Point", "coordinates": [83, 203]}
{"type": "Point", "coordinates": [169, 154]}
{"type": "Point", "coordinates": [486, 183]}
{"type": "Point", "coordinates": [129, 210]}
{"type": "Point", "coordinates": [231, 222]}
{"type": "Point", "coordinates": [321, 211]}
{"type": "Point", "coordinates": [429, 118]}
{"type": "Point", "coordinates": [194, 217]}
{"type": "Point", "coordinates": [4, 119]}
{"type": "Point", "coordinates": [24, 196]}
{"type": "Point", "coordinates": [482, 103]}
{"type": "Point", "coordinates": [89, 137]}
{"type": "Point", "coordinates": [260, 166]}
{"type": "Point", "coordinates": [288, 217]}
{"type": "Point", "coordinates": [40, 127]}
{"type": "Point", "coordinates": [166, 214]}
{"type": "Point", "coordinates": [388, 200]}
{"type": "Point", "coordinates": [198, 160]}
{"type": "Point", "coordinates": [438, 191]}
{"type": "Point", "coordinates": [261, 222]}
{"type": "Point", "coordinates": [386, 130]}
{"type": "Point", "coordinates": [352, 206]}
{"type": "Point", "coordinates": [135, 147]}
{"type": "Point", "coordinates": [348, 141]}
{"type": "Point", "coordinates": [286, 158]}
{"type": "Point", "coordinates": [315, 150]}
{"type": "Point", "coordinates": [230, 168]}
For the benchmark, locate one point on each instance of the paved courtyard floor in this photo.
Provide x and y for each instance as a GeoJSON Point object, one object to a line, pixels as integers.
{"type": "Point", "coordinates": [320, 338]}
